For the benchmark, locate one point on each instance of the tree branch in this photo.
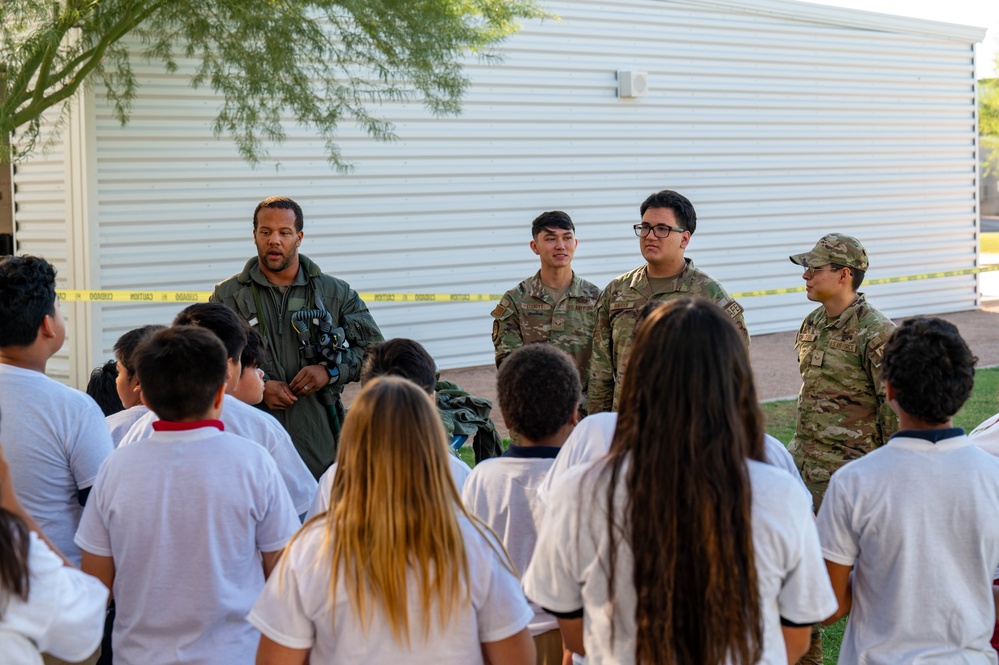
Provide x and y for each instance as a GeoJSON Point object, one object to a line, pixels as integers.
{"type": "Point", "coordinates": [119, 30]}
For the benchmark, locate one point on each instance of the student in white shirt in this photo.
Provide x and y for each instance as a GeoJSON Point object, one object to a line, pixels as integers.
{"type": "Point", "coordinates": [55, 436]}
{"type": "Point", "coordinates": [127, 383]}
{"type": "Point", "coordinates": [396, 357]}
{"type": "Point", "coordinates": [682, 545]}
{"type": "Point", "coordinates": [909, 531]}
{"type": "Point", "coordinates": [185, 526]}
{"type": "Point", "coordinates": [396, 571]}
{"type": "Point", "coordinates": [241, 419]}
{"type": "Point", "coordinates": [539, 395]}
{"type": "Point", "coordinates": [47, 605]}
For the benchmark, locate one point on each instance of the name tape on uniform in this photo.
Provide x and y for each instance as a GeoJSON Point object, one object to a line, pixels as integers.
{"type": "Point", "coordinates": [76, 295]}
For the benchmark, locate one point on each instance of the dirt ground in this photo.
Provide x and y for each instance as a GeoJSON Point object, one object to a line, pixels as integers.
{"type": "Point", "coordinates": [774, 363]}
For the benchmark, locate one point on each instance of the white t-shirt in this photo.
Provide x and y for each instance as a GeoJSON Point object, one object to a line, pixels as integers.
{"type": "Point", "coordinates": [55, 440]}
{"type": "Point", "coordinates": [185, 516]}
{"type": "Point", "coordinates": [63, 616]}
{"type": "Point", "coordinates": [251, 423]}
{"type": "Point", "coordinates": [503, 493]}
{"type": "Point", "coordinates": [592, 437]}
{"type": "Point", "coordinates": [563, 577]}
{"type": "Point", "coordinates": [294, 610]}
{"type": "Point", "coordinates": [918, 522]}
{"type": "Point", "coordinates": [120, 423]}
{"type": "Point", "coordinates": [321, 501]}
{"type": "Point", "coordinates": [986, 435]}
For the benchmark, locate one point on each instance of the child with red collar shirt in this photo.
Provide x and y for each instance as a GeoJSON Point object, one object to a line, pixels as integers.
{"type": "Point", "coordinates": [185, 526]}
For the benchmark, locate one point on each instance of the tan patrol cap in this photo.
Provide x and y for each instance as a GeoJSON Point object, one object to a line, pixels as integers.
{"type": "Point", "coordinates": [834, 248]}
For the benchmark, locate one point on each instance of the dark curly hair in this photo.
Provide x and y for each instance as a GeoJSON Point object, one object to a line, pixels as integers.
{"type": "Point", "coordinates": [27, 296]}
{"type": "Point", "coordinates": [930, 368]}
{"type": "Point", "coordinates": [538, 389]}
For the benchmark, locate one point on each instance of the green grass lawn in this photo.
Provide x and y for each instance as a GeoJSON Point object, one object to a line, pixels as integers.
{"type": "Point", "coordinates": [983, 403]}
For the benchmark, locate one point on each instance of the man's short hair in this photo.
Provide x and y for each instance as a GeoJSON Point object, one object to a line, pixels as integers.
{"type": "Point", "coordinates": [127, 343]}
{"type": "Point", "coordinates": [681, 206]}
{"type": "Point", "coordinates": [180, 370]}
{"type": "Point", "coordinates": [219, 319]}
{"type": "Point", "coordinates": [283, 203]}
{"type": "Point", "coordinates": [27, 296]}
{"type": "Point", "coordinates": [253, 352]}
{"type": "Point", "coordinates": [400, 357]}
{"type": "Point", "coordinates": [930, 368]}
{"type": "Point", "coordinates": [538, 389]}
{"type": "Point", "coordinates": [553, 219]}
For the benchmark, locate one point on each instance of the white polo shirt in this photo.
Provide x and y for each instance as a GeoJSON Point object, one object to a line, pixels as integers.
{"type": "Point", "coordinates": [917, 520]}
{"type": "Point", "coordinates": [262, 428]}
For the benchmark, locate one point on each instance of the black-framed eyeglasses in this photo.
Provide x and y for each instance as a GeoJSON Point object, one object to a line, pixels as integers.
{"type": "Point", "coordinates": [659, 230]}
{"type": "Point", "coordinates": [810, 272]}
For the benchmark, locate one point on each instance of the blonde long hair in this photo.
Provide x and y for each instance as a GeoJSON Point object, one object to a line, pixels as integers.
{"type": "Point", "coordinates": [393, 510]}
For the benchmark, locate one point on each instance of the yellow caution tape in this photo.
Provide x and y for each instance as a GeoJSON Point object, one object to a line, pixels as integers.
{"type": "Point", "coordinates": [873, 282]}
{"type": "Point", "coordinates": [71, 295]}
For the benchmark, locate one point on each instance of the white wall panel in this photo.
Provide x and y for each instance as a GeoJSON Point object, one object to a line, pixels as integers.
{"type": "Point", "coordinates": [780, 121]}
{"type": "Point", "coordinates": [41, 221]}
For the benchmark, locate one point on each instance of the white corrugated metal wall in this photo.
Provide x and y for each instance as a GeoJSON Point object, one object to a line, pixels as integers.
{"type": "Point", "coordinates": [781, 123]}
{"type": "Point", "coordinates": [42, 223]}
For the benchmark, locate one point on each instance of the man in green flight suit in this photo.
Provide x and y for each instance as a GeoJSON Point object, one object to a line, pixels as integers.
{"type": "Point", "coordinates": [668, 222]}
{"type": "Point", "coordinates": [843, 412]}
{"type": "Point", "coordinates": [556, 305]}
{"type": "Point", "coordinates": [299, 312]}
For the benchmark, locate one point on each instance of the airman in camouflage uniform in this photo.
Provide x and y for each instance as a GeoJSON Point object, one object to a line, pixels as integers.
{"type": "Point", "coordinates": [842, 408]}
{"type": "Point", "coordinates": [543, 308]}
{"type": "Point", "coordinates": [668, 221]}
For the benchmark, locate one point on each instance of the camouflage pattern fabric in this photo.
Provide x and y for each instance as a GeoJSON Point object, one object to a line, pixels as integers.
{"type": "Point", "coordinates": [842, 410]}
{"type": "Point", "coordinates": [527, 314]}
{"type": "Point", "coordinates": [618, 309]}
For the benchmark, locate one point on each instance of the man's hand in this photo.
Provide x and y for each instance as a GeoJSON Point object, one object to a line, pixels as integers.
{"type": "Point", "coordinates": [278, 396]}
{"type": "Point", "coordinates": [309, 379]}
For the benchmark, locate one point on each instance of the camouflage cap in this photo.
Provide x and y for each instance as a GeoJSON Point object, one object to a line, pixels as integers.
{"type": "Point", "coordinates": [835, 248]}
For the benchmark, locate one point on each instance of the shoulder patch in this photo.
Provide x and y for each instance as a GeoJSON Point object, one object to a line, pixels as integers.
{"type": "Point", "coordinates": [734, 309]}
{"type": "Point", "coordinates": [499, 311]}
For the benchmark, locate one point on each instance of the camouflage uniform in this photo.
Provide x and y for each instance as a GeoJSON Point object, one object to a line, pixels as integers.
{"type": "Point", "coordinates": [842, 410]}
{"type": "Point", "coordinates": [528, 314]}
{"type": "Point", "coordinates": [618, 309]}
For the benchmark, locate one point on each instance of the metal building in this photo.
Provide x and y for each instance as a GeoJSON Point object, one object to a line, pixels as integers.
{"type": "Point", "coordinates": [780, 120]}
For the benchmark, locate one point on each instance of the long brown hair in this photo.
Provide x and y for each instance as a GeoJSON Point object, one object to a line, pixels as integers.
{"type": "Point", "coordinates": [14, 577]}
{"type": "Point", "coordinates": [688, 421]}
